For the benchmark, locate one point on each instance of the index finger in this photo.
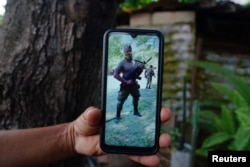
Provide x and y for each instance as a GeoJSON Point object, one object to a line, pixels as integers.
{"type": "Point", "coordinates": [165, 114]}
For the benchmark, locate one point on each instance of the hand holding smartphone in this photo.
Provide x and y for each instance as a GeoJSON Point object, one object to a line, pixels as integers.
{"type": "Point", "coordinates": [131, 91]}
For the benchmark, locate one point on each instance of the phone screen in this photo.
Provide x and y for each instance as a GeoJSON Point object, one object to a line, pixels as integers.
{"type": "Point", "coordinates": [131, 91]}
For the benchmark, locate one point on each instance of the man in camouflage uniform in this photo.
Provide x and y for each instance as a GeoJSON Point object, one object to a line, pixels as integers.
{"type": "Point", "coordinates": [149, 73]}
{"type": "Point", "coordinates": [129, 86]}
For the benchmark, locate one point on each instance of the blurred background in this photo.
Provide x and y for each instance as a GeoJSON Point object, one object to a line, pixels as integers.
{"type": "Point", "coordinates": [50, 68]}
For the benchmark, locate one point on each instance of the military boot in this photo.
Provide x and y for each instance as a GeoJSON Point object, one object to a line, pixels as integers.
{"type": "Point", "coordinates": [118, 113]}
{"type": "Point", "coordinates": [136, 112]}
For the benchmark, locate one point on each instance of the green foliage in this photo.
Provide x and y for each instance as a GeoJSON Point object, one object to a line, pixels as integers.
{"type": "Point", "coordinates": [205, 118]}
{"type": "Point", "coordinates": [216, 139]}
{"type": "Point", "coordinates": [175, 135]}
{"type": "Point", "coordinates": [231, 127]}
{"type": "Point", "coordinates": [188, 1]}
{"type": "Point", "coordinates": [237, 83]}
{"type": "Point", "coordinates": [130, 5]}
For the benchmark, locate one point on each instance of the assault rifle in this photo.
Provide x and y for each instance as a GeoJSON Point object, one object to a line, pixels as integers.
{"type": "Point", "coordinates": [135, 74]}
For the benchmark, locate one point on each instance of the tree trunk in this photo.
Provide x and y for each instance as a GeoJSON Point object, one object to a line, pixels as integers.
{"type": "Point", "coordinates": [50, 59]}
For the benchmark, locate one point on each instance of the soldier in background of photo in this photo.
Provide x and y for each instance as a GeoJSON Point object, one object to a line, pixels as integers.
{"type": "Point", "coordinates": [149, 73]}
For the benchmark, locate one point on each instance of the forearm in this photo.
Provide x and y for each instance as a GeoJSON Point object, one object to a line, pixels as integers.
{"type": "Point", "coordinates": [34, 147]}
{"type": "Point", "coordinates": [119, 78]}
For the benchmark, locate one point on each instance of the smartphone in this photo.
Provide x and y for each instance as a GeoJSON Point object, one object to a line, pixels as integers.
{"type": "Point", "coordinates": [131, 91]}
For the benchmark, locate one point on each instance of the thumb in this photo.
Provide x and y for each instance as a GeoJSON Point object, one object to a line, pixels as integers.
{"type": "Point", "coordinates": [88, 123]}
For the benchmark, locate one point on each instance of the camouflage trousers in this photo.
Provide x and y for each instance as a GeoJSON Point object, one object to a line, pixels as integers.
{"type": "Point", "coordinates": [125, 91]}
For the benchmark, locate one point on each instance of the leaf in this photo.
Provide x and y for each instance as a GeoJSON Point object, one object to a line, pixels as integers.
{"type": "Point", "coordinates": [223, 89]}
{"type": "Point", "coordinates": [206, 119]}
{"type": "Point", "coordinates": [243, 115]}
{"type": "Point", "coordinates": [238, 83]}
{"type": "Point", "coordinates": [203, 152]}
{"type": "Point", "coordinates": [232, 95]}
{"type": "Point", "coordinates": [226, 121]}
{"type": "Point", "coordinates": [239, 101]}
{"type": "Point", "coordinates": [241, 140]}
{"type": "Point", "coordinates": [216, 139]}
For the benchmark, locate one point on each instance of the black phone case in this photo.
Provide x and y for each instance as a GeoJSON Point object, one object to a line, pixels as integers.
{"type": "Point", "coordinates": [130, 149]}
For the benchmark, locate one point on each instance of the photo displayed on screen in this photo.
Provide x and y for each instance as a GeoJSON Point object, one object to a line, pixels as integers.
{"type": "Point", "coordinates": [131, 98]}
